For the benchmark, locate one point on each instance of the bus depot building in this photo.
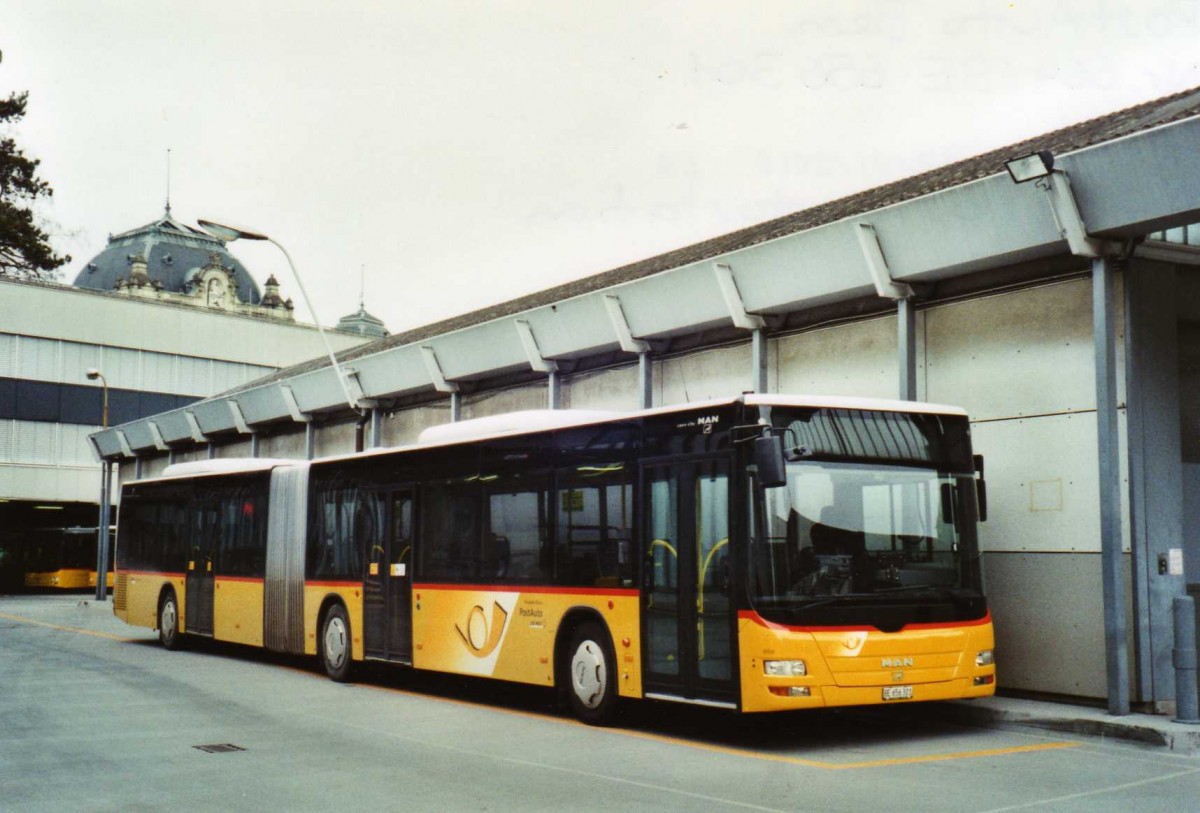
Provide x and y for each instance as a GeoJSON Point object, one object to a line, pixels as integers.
{"type": "Point", "coordinates": [1050, 288]}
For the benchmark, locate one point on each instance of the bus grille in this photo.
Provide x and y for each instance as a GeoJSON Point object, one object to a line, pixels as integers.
{"type": "Point", "coordinates": [119, 587]}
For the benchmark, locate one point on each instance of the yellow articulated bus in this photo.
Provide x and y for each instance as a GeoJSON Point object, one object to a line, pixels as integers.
{"type": "Point", "coordinates": [63, 559]}
{"type": "Point", "coordinates": [756, 553]}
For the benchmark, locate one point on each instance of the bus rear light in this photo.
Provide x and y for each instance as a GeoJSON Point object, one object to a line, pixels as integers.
{"type": "Point", "coordinates": [790, 691]}
{"type": "Point", "coordinates": [984, 658]}
{"type": "Point", "coordinates": [984, 680]}
{"type": "Point", "coordinates": [785, 668]}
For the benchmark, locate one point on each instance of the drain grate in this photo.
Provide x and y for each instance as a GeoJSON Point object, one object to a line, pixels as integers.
{"type": "Point", "coordinates": [220, 748]}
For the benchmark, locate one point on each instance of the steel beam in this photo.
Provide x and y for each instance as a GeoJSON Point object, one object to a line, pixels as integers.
{"type": "Point", "coordinates": [1154, 442]}
{"type": "Point", "coordinates": [1108, 447]}
{"type": "Point", "coordinates": [881, 275]}
{"type": "Point", "coordinates": [435, 371]}
{"type": "Point", "coordinates": [194, 427]}
{"type": "Point", "coordinates": [554, 387]}
{"type": "Point", "coordinates": [758, 360]}
{"type": "Point", "coordinates": [376, 436]}
{"type": "Point", "coordinates": [646, 379]}
{"type": "Point", "coordinates": [254, 444]}
{"type": "Point", "coordinates": [733, 299]}
{"type": "Point", "coordinates": [455, 406]}
{"type": "Point", "coordinates": [906, 319]}
{"type": "Point", "coordinates": [616, 316]}
{"type": "Point", "coordinates": [310, 440]}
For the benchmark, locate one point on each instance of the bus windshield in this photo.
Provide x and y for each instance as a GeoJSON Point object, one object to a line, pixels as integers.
{"type": "Point", "coordinates": [887, 529]}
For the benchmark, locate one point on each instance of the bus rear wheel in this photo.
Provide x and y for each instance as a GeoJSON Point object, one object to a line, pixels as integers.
{"type": "Point", "coordinates": [168, 622]}
{"type": "Point", "coordinates": [335, 643]}
{"type": "Point", "coordinates": [591, 675]}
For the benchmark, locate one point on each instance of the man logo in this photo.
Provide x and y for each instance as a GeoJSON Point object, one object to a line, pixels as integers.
{"type": "Point", "coordinates": [893, 663]}
{"type": "Point", "coordinates": [480, 637]}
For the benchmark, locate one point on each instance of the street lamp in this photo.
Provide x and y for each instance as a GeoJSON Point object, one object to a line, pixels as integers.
{"type": "Point", "coordinates": [92, 375]}
{"type": "Point", "coordinates": [105, 489]}
{"type": "Point", "coordinates": [228, 233]}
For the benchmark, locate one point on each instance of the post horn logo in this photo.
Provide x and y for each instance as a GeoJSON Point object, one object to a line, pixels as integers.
{"type": "Point", "coordinates": [480, 637]}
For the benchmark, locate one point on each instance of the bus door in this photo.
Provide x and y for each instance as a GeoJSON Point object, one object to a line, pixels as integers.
{"type": "Point", "coordinates": [687, 619]}
{"type": "Point", "coordinates": [201, 553]}
{"type": "Point", "coordinates": [387, 607]}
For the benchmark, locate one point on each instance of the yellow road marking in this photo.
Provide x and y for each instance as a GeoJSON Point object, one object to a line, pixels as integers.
{"type": "Point", "coordinates": [80, 630]}
{"type": "Point", "coordinates": [663, 738]}
{"type": "Point", "coordinates": [841, 766]}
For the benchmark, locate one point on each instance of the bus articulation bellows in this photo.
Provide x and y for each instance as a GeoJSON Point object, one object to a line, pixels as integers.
{"type": "Point", "coordinates": [755, 553]}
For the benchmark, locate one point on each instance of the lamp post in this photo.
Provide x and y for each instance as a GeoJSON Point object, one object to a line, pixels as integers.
{"type": "Point", "coordinates": [105, 488]}
{"type": "Point", "coordinates": [228, 233]}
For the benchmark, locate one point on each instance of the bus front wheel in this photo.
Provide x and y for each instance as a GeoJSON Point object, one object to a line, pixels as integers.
{"type": "Point", "coordinates": [168, 622]}
{"type": "Point", "coordinates": [335, 643]}
{"type": "Point", "coordinates": [591, 675]}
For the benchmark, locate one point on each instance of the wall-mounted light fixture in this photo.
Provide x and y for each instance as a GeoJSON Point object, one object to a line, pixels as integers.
{"type": "Point", "coordinates": [1030, 167]}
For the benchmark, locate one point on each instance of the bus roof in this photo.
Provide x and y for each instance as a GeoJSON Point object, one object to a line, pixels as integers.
{"type": "Point", "coordinates": [223, 465]}
{"type": "Point", "coordinates": [540, 420]}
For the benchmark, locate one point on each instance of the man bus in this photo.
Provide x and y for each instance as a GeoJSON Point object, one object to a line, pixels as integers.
{"type": "Point", "coordinates": [757, 553]}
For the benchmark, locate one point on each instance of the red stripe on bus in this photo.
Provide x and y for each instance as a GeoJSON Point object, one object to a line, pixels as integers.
{"type": "Point", "coordinates": [533, 588]}
{"type": "Point", "coordinates": [149, 573]}
{"type": "Point", "coordinates": [332, 584]}
{"type": "Point", "coordinates": [254, 579]}
{"type": "Point", "coordinates": [750, 615]}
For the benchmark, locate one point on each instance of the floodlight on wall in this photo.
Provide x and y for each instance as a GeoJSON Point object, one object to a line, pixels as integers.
{"type": "Point", "coordinates": [227, 233]}
{"type": "Point", "coordinates": [1029, 167]}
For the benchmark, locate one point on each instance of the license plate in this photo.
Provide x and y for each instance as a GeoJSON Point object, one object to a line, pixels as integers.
{"type": "Point", "coordinates": [897, 692]}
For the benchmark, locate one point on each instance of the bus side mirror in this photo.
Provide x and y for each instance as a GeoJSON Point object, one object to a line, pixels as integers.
{"type": "Point", "coordinates": [980, 488]}
{"type": "Point", "coordinates": [768, 458]}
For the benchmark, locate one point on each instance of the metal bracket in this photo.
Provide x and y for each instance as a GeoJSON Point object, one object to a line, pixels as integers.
{"type": "Point", "coordinates": [293, 406]}
{"type": "Point", "coordinates": [194, 425]}
{"type": "Point", "coordinates": [733, 300]}
{"type": "Point", "coordinates": [126, 449]}
{"type": "Point", "coordinates": [156, 433]}
{"type": "Point", "coordinates": [537, 361]}
{"type": "Point", "coordinates": [435, 371]}
{"type": "Point", "coordinates": [239, 420]}
{"type": "Point", "coordinates": [881, 275]}
{"type": "Point", "coordinates": [359, 394]}
{"type": "Point", "coordinates": [1057, 186]}
{"type": "Point", "coordinates": [616, 315]}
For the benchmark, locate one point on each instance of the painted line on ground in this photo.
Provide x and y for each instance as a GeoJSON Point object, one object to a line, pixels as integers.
{"type": "Point", "coordinates": [80, 630]}
{"type": "Point", "coordinates": [1096, 792]}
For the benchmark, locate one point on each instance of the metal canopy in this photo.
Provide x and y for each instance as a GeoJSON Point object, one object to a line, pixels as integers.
{"type": "Point", "coordinates": [1125, 188]}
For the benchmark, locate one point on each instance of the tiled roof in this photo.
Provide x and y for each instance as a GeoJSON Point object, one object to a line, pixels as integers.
{"type": "Point", "coordinates": [1068, 139]}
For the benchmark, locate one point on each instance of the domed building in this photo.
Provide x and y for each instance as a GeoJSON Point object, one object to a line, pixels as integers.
{"type": "Point", "coordinates": [169, 261]}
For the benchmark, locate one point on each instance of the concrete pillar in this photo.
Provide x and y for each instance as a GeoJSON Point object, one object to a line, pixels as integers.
{"type": "Point", "coordinates": [1104, 333]}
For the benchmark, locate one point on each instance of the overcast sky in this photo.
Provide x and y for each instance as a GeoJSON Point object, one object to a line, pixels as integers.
{"type": "Point", "coordinates": [467, 153]}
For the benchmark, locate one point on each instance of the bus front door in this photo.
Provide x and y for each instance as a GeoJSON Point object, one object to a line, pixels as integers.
{"type": "Point", "coordinates": [687, 619]}
{"type": "Point", "coordinates": [387, 606]}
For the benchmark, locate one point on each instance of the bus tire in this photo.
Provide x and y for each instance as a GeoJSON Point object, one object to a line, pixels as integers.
{"type": "Point", "coordinates": [336, 643]}
{"type": "Point", "coordinates": [168, 622]}
{"type": "Point", "coordinates": [591, 675]}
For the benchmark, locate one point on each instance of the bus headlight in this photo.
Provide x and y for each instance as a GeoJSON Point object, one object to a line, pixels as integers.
{"type": "Point", "coordinates": [984, 658]}
{"type": "Point", "coordinates": [785, 668]}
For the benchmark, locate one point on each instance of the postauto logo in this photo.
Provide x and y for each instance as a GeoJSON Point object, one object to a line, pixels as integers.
{"type": "Point", "coordinates": [481, 636]}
